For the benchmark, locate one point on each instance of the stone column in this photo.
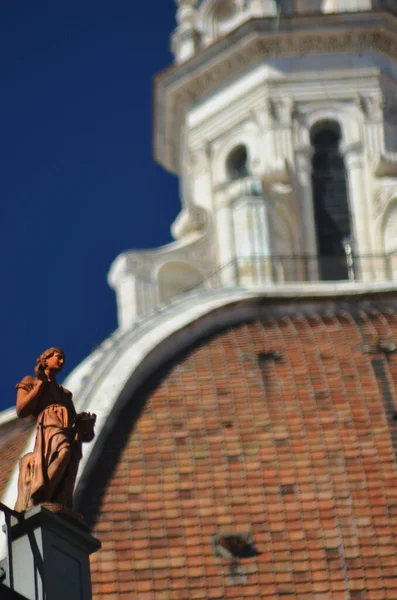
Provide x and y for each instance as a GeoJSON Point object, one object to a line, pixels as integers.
{"type": "Point", "coordinates": [252, 240]}
{"type": "Point", "coordinates": [372, 111]}
{"type": "Point", "coordinates": [49, 557]}
{"type": "Point", "coordinates": [226, 249]}
{"type": "Point", "coordinates": [356, 180]}
{"type": "Point", "coordinates": [131, 278]}
{"type": "Point", "coordinates": [303, 162]}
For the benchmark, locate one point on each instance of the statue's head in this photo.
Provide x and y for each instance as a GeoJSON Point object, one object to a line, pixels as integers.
{"type": "Point", "coordinates": [42, 362]}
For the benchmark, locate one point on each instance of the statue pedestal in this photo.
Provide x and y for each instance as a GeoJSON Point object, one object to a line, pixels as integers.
{"type": "Point", "coordinates": [49, 556]}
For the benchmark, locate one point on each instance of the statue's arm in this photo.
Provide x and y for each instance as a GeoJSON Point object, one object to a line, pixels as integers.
{"type": "Point", "coordinates": [27, 397]}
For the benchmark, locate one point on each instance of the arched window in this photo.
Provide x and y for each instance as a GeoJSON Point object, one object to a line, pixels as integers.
{"type": "Point", "coordinates": [330, 197]}
{"type": "Point", "coordinates": [237, 163]}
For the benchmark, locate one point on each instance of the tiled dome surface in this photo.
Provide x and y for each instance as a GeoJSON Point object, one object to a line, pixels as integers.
{"type": "Point", "coordinates": [13, 438]}
{"type": "Point", "coordinates": [279, 427]}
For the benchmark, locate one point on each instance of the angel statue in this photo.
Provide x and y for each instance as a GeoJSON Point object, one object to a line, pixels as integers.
{"type": "Point", "coordinates": [48, 474]}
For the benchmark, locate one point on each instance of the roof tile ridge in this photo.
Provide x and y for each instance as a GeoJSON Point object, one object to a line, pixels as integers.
{"type": "Point", "coordinates": [7, 415]}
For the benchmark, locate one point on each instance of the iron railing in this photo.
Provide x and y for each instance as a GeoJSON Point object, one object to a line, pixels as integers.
{"type": "Point", "coordinates": [8, 513]}
{"type": "Point", "coordinates": [310, 268]}
{"type": "Point", "coordinates": [245, 272]}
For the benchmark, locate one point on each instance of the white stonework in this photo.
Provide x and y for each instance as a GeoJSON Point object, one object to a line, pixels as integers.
{"type": "Point", "coordinates": [248, 75]}
{"type": "Point", "coordinates": [6, 416]}
{"type": "Point", "coordinates": [216, 18]}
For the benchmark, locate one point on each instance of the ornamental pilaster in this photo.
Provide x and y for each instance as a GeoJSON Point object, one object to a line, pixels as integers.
{"type": "Point", "coordinates": [353, 155]}
{"type": "Point", "coordinates": [359, 199]}
{"type": "Point", "coordinates": [303, 170]}
{"type": "Point", "coordinates": [303, 162]}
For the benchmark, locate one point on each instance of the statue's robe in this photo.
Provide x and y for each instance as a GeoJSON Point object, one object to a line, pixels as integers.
{"type": "Point", "coordinates": [56, 430]}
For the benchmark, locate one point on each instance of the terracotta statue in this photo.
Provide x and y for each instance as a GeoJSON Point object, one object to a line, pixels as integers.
{"type": "Point", "coordinates": [48, 474]}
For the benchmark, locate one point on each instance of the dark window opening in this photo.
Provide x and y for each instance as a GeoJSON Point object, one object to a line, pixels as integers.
{"type": "Point", "coordinates": [237, 163]}
{"type": "Point", "coordinates": [331, 206]}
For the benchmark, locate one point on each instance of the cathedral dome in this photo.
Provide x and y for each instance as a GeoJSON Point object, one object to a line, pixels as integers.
{"type": "Point", "coordinates": [247, 402]}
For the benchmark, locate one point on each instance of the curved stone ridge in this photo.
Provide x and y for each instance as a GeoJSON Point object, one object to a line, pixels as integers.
{"type": "Point", "coordinates": [14, 435]}
{"type": "Point", "coordinates": [279, 427]}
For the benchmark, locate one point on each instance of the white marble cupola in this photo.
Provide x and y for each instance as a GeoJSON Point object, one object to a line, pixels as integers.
{"type": "Point", "coordinates": [280, 120]}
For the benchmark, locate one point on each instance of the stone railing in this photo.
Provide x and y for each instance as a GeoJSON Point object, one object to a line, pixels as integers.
{"type": "Point", "coordinates": [274, 272]}
{"type": "Point", "coordinates": [281, 269]}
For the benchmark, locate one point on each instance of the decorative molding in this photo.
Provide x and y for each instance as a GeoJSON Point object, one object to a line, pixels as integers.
{"type": "Point", "coordinates": [230, 191]}
{"type": "Point", "coordinates": [280, 110]}
{"type": "Point", "coordinates": [193, 218]}
{"type": "Point", "coordinates": [351, 149]}
{"type": "Point", "coordinates": [390, 227]}
{"type": "Point", "coordinates": [385, 165]}
{"type": "Point", "coordinates": [279, 172]}
{"type": "Point", "coordinates": [186, 39]}
{"type": "Point", "coordinates": [178, 94]}
{"type": "Point", "coordinates": [378, 202]}
{"type": "Point", "coordinates": [372, 105]}
{"type": "Point", "coordinates": [271, 108]}
{"type": "Point", "coordinates": [382, 199]}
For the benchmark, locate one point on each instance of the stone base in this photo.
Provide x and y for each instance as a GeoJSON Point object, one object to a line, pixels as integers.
{"type": "Point", "coordinates": [49, 560]}
{"type": "Point", "coordinates": [66, 513]}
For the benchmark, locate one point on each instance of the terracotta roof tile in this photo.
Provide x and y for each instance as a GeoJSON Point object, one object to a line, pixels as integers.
{"type": "Point", "coordinates": [280, 427]}
{"type": "Point", "coordinates": [13, 438]}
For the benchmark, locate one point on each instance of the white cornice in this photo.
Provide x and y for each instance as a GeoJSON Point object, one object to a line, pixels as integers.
{"type": "Point", "coordinates": [6, 416]}
{"type": "Point", "coordinates": [179, 88]}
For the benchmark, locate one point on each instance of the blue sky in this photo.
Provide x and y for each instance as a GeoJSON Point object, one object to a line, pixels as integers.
{"type": "Point", "coordinates": [78, 183]}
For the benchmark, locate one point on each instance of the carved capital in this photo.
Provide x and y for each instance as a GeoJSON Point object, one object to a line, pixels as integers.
{"type": "Point", "coordinates": [271, 109]}
{"type": "Point", "coordinates": [197, 84]}
{"type": "Point", "coordinates": [280, 110]}
{"type": "Point", "coordinates": [278, 172]}
{"type": "Point", "coordinates": [385, 165]}
{"type": "Point", "coordinates": [247, 187]}
{"type": "Point", "coordinates": [198, 159]}
{"type": "Point", "coordinates": [371, 106]}
{"type": "Point", "coordinates": [353, 155]}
